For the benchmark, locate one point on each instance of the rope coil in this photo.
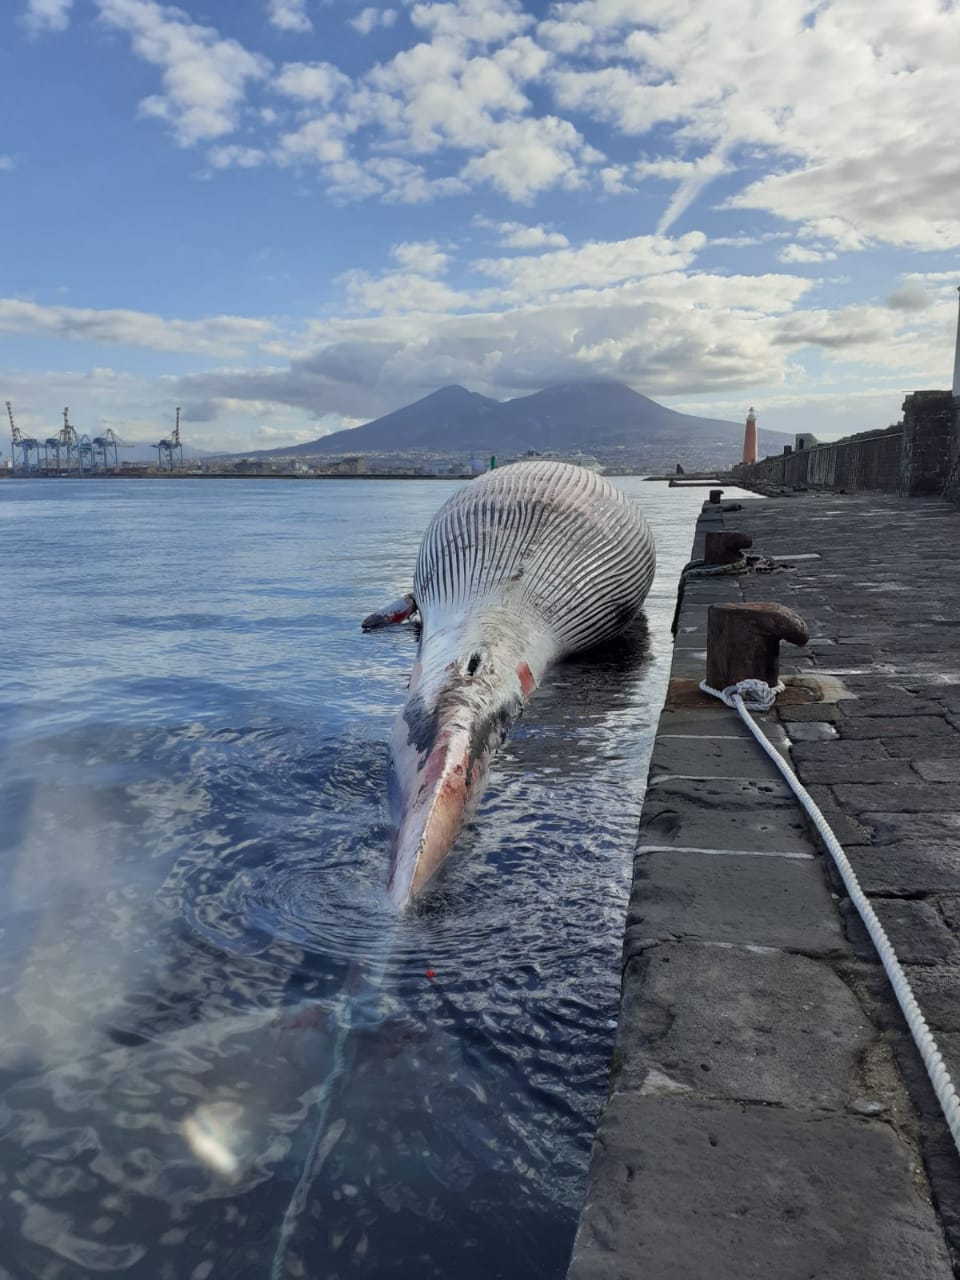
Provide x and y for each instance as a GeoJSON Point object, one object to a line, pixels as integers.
{"type": "Point", "coordinates": [700, 569]}
{"type": "Point", "coordinates": [758, 695]}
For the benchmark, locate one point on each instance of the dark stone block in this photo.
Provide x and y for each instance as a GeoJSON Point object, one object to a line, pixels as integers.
{"type": "Point", "coordinates": [919, 798]}
{"type": "Point", "coordinates": [892, 772]}
{"type": "Point", "coordinates": [919, 748]}
{"type": "Point", "coordinates": [847, 829]}
{"type": "Point", "coordinates": [735, 814]}
{"type": "Point", "coordinates": [839, 752]}
{"type": "Point", "coordinates": [885, 706]}
{"type": "Point", "coordinates": [901, 828]}
{"type": "Point", "coordinates": [725, 1022]}
{"type": "Point", "coordinates": [917, 931]}
{"type": "Point", "coordinates": [810, 711]}
{"type": "Point", "coordinates": [884, 727]}
{"type": "Point", "coordinates": [938, 770]}
{"type": "Point", "coordinates": [712, 758]}
{"type": "Point", "coordinates": [906, 870]}
{"type": "Point", "coordinates": [687, 1190]}
{"type": "Point", "coordinates": [744, 899]}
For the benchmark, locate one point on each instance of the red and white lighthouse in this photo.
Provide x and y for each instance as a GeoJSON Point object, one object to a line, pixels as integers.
{"type": "Point", "coordinates": [750, 453]}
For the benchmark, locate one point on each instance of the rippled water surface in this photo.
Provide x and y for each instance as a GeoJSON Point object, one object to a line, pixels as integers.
{"type": "Point", "coordinates": [220, 1054]}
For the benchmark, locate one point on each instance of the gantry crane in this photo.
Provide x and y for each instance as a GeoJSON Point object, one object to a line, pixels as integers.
{"type": "Point", "coordinates": [88, 455]}
{"type": "Point", "coordinates": [26, 444]}
{"type": "Point", "coordinates": [169, 448]}
{"type": "Point", "coordinates": [71, 442]}
{"type": "Point", "coordinates": [52, 443]}
{"type": "Point", "coordinates": [109, 440]}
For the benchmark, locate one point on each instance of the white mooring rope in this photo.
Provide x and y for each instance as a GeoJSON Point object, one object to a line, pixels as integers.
{"type": "Point", "coordinates": [758, 695]}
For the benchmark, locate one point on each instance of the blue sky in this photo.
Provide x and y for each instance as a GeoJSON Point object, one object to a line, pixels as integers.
{"type": "Point", "coordinates": [293, 215]}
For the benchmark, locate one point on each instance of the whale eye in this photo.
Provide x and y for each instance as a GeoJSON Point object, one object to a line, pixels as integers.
{"type": "Point", "coordinates": [473, 665]}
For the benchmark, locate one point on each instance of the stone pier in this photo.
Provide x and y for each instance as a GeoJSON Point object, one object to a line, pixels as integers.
{"type": "Point", "coordinates": [768, 1114]}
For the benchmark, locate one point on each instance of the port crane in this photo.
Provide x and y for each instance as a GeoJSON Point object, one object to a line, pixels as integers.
{"type": "Point", "coordinates": [52, 444]}
{"type": "Point", "coordinates": [70, 441]}
{"type": "Point", "coordinates": [26, 444]}
{"type": "Point", "coordinates": [88, 455]}
{"type": "Point", "coordinates": [103, 444]}
{"type": "Point", "coordinates": [170, 447]}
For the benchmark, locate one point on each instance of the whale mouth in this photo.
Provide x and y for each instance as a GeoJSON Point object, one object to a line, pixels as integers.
{"type": "Point", "coordinates": [430, 826]}
{"type": "Point", "coordinates": [448, 785]}
{"type": "Point", "coordinates": [468, 687]}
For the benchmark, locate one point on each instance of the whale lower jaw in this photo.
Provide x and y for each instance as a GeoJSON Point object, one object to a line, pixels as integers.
{"type": "Point", "coordinates": [472, 678]}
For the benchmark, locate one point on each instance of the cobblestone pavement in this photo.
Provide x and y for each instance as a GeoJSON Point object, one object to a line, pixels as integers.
{"type": "Point", "coordinates": [882, 759]}
{"type": "Point", "coordinates": [768, 1113]}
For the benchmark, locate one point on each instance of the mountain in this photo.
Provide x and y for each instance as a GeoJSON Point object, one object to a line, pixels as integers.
{"type": "Point", "coordinates": [446, 420]}
{"type": "Point", "coordinates": [595, 416]}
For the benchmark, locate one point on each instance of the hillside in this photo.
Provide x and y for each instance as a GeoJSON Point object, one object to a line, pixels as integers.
{"type": "Point", "coordinates": [595, 416]}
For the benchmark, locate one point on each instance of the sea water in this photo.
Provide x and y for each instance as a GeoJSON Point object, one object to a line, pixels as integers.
{"type": "Point", "coordinates": [194, 846]}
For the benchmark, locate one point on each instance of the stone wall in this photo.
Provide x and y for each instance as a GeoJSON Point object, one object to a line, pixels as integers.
{"type": "Point", "coordinates": [919, 456]}
{"type": "Point", "coordinates": [927, 442]}
{"type": "Point", "coordinates": [951, 489]}
{"type": "Point", "coordinates": [862, 462]}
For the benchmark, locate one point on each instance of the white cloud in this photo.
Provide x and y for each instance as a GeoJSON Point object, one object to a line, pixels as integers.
{"type": "Point", "coordinates": [47, 15]}
{"type": "Point", "coordinates": [268, 437]}
{"type": "Point", "coordinates": [6, 162]}
{"type": "Point", "coordinates": [369, 18]}
{"type": "Point", "coordinates": [477, 21]}
{"type": "Point", "coordinates": [565, 37]}
{"type": "Point", "coordinates": [532, 155]}
{"type": "Point", "coordinates": [666, 334]}
{"type": "Point", "coordinates": [410, 286]}
{"type": "Point", "coordinates": [445, 94]}
{"type": "Point", "coordinates": [593, 266]}
{"type": "Point", "coordinates": [849, 328]}
{"type": "Point", "coordinates": [742, 82]}
{"type": "Point", "coordinates": [311, 82]}
{"type": "Point", "coordinates": [432, 98]}
{"type": "Point", "coordinates": [289, 15]}
{"type": "Point", "coordinates": [402, 292]}
{"type": "Point", "coordinates": [237, 157]}
{"type": "Point", "coordinates": [514, 235]}
{"type": "Point", "coordinates": [322, 140]}
{"type": "Point", "coordinates": [217, 336]}
{"type": "Point", "coordinates": [800, 253]}
{"type": "Point", "coordinates": [204, 76]}
{"type": "Point", "coordinates": [424, 256]}
{"type": "Point", "coordinates": [393, 179]}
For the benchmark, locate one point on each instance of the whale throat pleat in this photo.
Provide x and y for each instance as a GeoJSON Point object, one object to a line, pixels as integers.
{"type": "Point", "coordinates": [559, 543]}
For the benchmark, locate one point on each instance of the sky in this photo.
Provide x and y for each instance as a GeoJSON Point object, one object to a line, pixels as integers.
{"type": "Point", "coordinates": [290, 216]}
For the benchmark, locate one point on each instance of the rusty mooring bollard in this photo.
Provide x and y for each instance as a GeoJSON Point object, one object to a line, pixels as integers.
{"type": "Point", "coordinates": [715, 496]}
{"type": "Point", "coordinates": [725, 548]}
{"type": "Point", "coordinates": [743, 641]}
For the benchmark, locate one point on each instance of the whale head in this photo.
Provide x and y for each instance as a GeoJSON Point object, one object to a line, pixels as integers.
{"type": "Point", "coordinates": [473, 674]}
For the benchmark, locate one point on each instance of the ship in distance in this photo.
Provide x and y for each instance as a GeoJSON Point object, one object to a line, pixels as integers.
{"type": "Point", "coordinates": [578, 459]}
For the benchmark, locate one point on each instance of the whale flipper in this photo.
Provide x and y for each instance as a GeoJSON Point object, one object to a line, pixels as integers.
{"type": "Point", "coordinates": [396, 611]}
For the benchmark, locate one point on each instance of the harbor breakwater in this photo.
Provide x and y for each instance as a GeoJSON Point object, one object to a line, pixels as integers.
{"type": "Point", "coordinates": [920, 455]}
{"type": "Point", "coordinates": [768, 1112]}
